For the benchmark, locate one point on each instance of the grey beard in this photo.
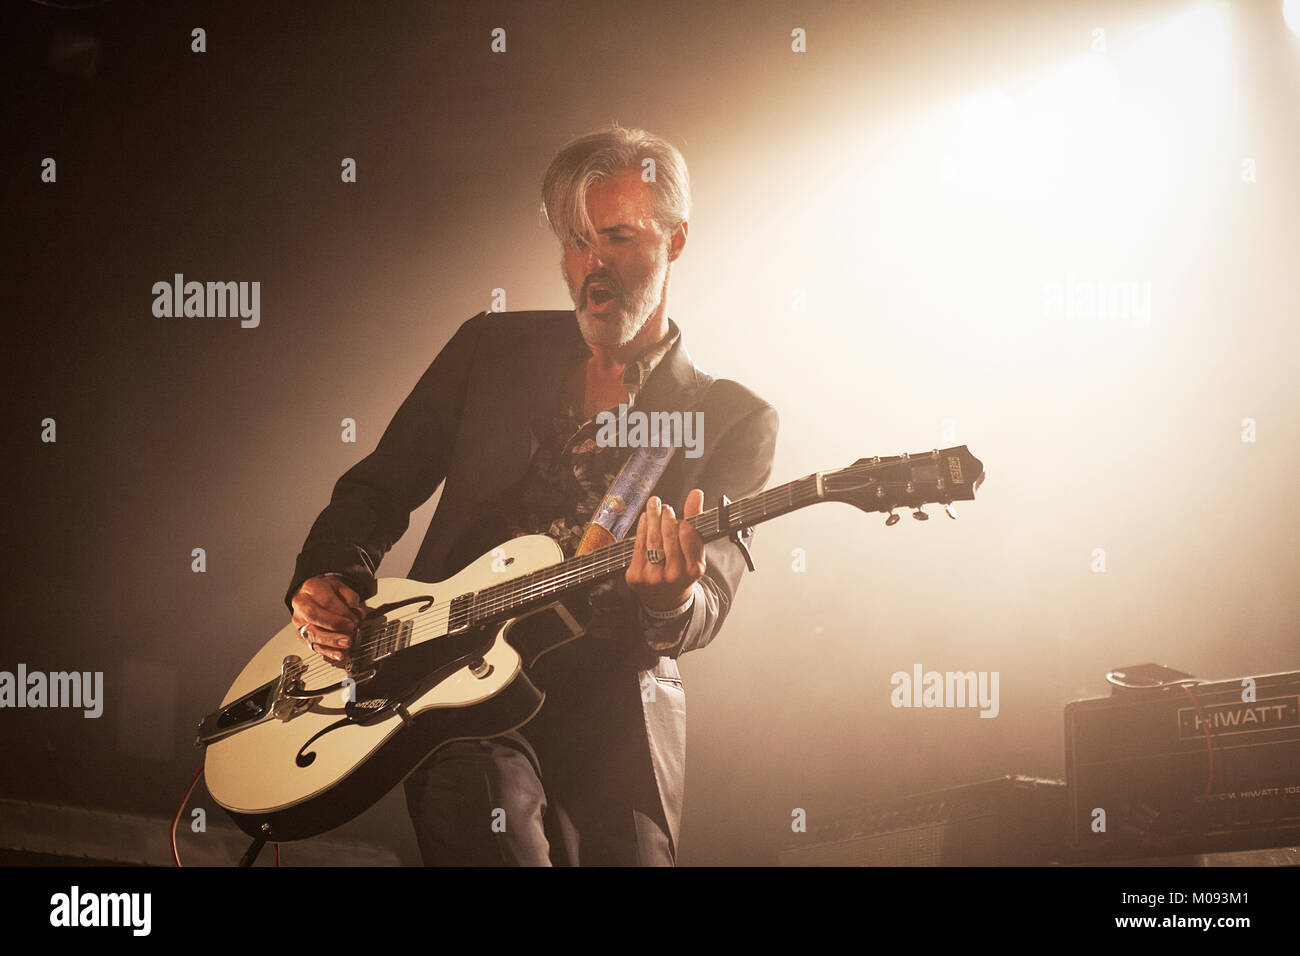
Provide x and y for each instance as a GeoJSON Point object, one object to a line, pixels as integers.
{"type": "Point", "coordinates": [601, 332]}
{"type": "Point", "coordinates": [632, 315]}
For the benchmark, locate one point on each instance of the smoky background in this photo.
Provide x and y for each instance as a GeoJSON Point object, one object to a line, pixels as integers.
{"type": "Point", "coordinates": [937, 226]}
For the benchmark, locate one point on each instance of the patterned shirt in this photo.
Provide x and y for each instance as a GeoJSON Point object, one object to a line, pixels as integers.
{"type": "Point", "coordinates": [570, 473]}
{"type": "Point", "coordinates": [567, 479]}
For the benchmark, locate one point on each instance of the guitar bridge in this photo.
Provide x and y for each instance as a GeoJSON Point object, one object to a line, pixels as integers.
{"type": "Point", "coordinates": [275, 699]}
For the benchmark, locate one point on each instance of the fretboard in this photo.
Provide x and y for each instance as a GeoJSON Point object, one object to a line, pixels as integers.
{"type": "Point", "coordinates": [520, 594]}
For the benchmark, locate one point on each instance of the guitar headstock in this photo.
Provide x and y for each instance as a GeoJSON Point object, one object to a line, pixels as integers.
{"type": "Point", "coordinates": [941, 476]}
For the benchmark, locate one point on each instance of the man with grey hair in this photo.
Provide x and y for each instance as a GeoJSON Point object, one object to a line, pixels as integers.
{"type": "Point", "coordinates": [610, 314]}
{"type": "Point", "coordinates": [506, 415]}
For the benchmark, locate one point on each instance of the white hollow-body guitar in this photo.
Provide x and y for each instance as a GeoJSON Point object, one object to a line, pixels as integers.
{"type": "Point", "coordinates": [301, 745]}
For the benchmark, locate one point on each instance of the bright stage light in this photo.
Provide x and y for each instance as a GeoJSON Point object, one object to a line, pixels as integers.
{"type": "Point", "coordinates": [1291, 14]}
{"type": "Point", "coordinates": [987, 116]}
{"type": "Point", "coordinates": [1199, 36]}
{"type": "Point", "coordinates": [1069, 101]}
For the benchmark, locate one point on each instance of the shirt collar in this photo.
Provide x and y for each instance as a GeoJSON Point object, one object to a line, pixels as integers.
{"type": "Point", "coordinates": [638, 371]}
{"type": "Point", "coordinates": [635, 375]}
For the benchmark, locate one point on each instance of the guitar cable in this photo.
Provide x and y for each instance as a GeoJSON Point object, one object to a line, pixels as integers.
{"type": "Point", "coordinates": [176, 856]}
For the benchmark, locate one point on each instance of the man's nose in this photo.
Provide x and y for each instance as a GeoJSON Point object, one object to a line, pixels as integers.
{"type": "Point", "coordinates": [591, 259]}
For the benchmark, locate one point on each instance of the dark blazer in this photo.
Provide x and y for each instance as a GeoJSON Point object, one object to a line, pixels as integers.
{"type": "Point", "coordinates": [467, 421]}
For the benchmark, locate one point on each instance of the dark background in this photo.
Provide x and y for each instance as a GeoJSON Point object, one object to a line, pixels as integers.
{"type": "Point", "coordinates": [923, 260]}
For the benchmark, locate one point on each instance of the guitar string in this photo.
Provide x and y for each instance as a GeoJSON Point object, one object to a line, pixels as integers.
{"type": "Point", "coordinates": [503, 596]}
{"type": "Point", "coordinates": [613, 557]}
{"type": "Point", "coordinates": [741, 513]}
{"type": "Point", "coordinates": [607, 559]}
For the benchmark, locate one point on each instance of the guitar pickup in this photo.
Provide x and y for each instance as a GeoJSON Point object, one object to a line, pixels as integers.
{"type": "Point", "coordinates": [458, 617]}
{"type": "Point", "coordinates": [394, 636]}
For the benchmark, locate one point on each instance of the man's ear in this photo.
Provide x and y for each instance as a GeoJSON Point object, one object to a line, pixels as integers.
{"type": "Point", "coordinates": [677, 241]}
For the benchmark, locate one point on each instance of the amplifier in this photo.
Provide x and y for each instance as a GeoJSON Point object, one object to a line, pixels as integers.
{"type": "Point", "coordinates": [1192, 768]}
{"type": "Point", "coordinates": [1008, 821]}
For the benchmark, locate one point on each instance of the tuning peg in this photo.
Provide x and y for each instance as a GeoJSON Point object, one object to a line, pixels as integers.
{"type": "Point", "coordinates": [920, 515]}
{"type": "Point", "coordinates": [893, 519]}
{"type": "Point", "coordinates": [950, 511]}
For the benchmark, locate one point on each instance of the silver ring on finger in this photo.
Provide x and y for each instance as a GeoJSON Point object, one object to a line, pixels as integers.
{"type": "Point", "coordinates": [302, 632]}
{"type": "Point", "coordinates": [654, 555]}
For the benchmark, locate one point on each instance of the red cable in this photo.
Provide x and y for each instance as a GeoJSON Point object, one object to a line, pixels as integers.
{"type": "Point", "coordinates": [176, 856]}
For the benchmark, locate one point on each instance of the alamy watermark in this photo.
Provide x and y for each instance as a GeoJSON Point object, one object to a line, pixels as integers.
{"type": "Point", "coordinates": [638, 429]}
{"type": "Point", "coordinates": [58, 689]}
{"type": "Point", "coordinates": [946, 689]}
{"type": "Point", "coordinates": [75, 908]}
{"type": "Point", "coordinates": [1077, 298]}
{"type": "Point", "coordinates": [208, 300]}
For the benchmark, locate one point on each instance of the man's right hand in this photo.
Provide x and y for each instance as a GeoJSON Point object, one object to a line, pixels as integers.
{"type": "Point", "coordinates": [331, 611]}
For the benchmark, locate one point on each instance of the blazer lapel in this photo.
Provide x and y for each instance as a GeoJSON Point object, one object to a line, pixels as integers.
{"type": "Point", "coordinates": [671, 384]}
{"type": "Point", "coordinates": [556, 344]}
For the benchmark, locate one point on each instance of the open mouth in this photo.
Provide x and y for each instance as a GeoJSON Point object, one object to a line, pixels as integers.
{"type": "Point", "coordinates": [599, 297]}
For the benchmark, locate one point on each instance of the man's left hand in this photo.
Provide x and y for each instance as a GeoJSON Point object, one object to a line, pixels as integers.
{"type": "Point", "coordinates": [662, 587]}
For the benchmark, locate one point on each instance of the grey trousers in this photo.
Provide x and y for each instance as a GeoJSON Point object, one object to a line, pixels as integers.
{"type": "Point", "coordinates": [511, 801]}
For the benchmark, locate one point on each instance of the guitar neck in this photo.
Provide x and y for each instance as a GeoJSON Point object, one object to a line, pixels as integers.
{"type": "Point", "coordinates": [517, 595]}
{"type": "Point", "coordinates": [870, 484]}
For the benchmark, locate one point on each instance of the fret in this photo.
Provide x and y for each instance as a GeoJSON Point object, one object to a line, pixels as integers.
{"type": "Point", "coordinates": [852, 485]}
{"type": "Point", "coordinates": [502, 600]}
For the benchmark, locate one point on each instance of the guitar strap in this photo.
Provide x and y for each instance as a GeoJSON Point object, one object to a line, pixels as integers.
{"type": "Point", "coordinates": [634, 482]}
